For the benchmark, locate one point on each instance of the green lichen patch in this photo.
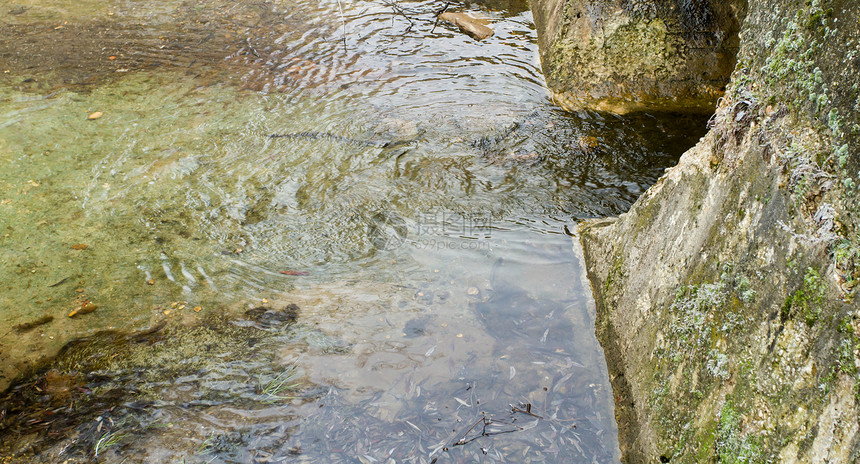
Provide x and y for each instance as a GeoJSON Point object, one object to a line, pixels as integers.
{"type": "Point", "coordinates": [703, 315]}
{"type": "Point", "coordinates": [808, 300]}
{"type": "Point", "coordinates": [793, 61]}
{"type": "Point", "coordinates": [733, 445]}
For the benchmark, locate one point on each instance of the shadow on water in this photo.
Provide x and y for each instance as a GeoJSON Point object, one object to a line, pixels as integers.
{"type": "Point", "coordinates": [300, 232]}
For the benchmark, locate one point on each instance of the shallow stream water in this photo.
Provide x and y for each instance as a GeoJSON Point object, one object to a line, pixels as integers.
{"type": "Point", "coordinates": [300, 232]}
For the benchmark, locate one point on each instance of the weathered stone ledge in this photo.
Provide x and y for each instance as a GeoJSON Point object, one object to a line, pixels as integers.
{"type": "Point", "coordinates": [726, 295]}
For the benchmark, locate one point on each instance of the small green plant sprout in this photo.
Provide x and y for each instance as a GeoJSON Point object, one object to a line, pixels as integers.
{"type": "Point", "coordinates": [107, 440]}
{"type": "Point", "coordinates": [276, 389]}
{"type": "Point", "coordinates": [206, 445]}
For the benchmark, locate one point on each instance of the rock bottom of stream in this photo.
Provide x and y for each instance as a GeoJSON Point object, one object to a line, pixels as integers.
{"type": "Point", "coordinates": [282, 383]}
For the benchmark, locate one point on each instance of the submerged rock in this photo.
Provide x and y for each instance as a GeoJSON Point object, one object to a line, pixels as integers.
{"type": "Point", "coordinates": [623, 56]}
{"type": "Point", "coordinates": [477, 28]}
{"type": "Point", "coordinates": [269, 318]}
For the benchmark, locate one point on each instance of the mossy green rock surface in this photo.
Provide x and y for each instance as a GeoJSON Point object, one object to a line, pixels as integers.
{"type": "Point", "coordinates": [726, 296]}
{"type": "Point", "coordinates": [622, 56]}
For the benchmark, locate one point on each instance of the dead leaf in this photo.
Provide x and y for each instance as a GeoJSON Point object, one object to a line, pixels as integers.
{"type": "Point", "coordinates": [95, 115]}
{"type": "Point", "coordinates": [85, 308]}
{"type": "Point", "coordinates": [79, 246]}
{"type": "Point", "coordinates": [295, 273]}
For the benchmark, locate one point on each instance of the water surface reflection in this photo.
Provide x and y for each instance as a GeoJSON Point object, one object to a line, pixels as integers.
{"type": "Point", "coordinates": [310, 235]}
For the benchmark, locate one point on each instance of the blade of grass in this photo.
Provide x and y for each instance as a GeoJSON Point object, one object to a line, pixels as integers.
{"type": "Point", "coordinates": [274, 389]}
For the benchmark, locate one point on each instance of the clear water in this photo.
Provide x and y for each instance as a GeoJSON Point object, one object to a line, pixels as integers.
{"type": "Point", "coordinates": [411, 207]}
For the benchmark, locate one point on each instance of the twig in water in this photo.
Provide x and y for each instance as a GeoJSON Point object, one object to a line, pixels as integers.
{"type": "Point", "coordinates": [397, 10]}
{"type": "Point", "coordinates": [439, 13]}
{"type": "Point", "coordinates": [251, 48]}
{"type": "Point", "coordinates": [234, 6]}
{"type": "Point", "coordinates": [343, 22]}
{"type": "Point", "coordinates": [525, 411]}
{"type": "Point", "coordinates": [460, 440]}
{"type": "Point", "coordinates": [484, 432]}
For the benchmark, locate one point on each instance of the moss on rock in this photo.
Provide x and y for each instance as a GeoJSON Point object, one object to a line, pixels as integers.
{"type": "Point", "coordinates": [622, 56]}
{"type": "Point", "coordinates": [725, 296]}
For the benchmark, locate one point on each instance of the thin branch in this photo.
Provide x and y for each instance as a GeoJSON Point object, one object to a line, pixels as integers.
{"type": "Point", "coordinates": [516, 409]}
{"type": "Point", "coordinates": [343, 21]}
{"type": "Point", "coordinates": [439, 13]}
{"type": "Point", "coordinates": [397, 10]}
{"type": "Point", "coordinates": [460, 440]}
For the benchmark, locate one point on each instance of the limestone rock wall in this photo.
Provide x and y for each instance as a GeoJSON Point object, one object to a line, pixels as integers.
{"type": "Point", "coordinates": [626, 55]}
{"type": "Point", "coordinates": [726, 296]}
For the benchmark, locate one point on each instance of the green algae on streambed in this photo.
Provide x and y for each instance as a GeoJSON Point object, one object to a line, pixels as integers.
{"type": "Point", "coordinates": [426, 269]}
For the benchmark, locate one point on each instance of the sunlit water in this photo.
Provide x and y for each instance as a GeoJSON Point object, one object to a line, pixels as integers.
{"type": "Point", "coordinates": [344, 194]}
